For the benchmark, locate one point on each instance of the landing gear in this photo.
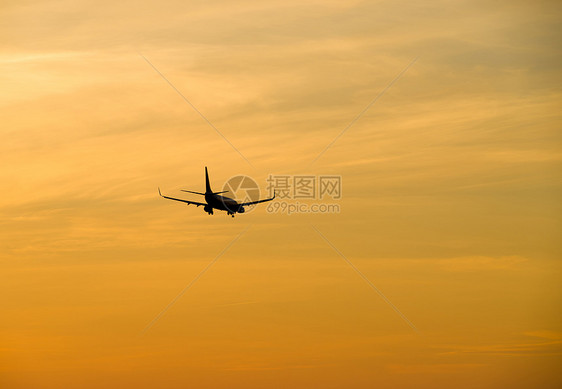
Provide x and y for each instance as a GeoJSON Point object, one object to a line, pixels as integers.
{"type": "Point", "coordinates": [230, 213]}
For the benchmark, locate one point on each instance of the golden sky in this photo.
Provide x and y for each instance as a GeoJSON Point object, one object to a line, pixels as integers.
{"type": "Point", "coordinates": [451, 194]}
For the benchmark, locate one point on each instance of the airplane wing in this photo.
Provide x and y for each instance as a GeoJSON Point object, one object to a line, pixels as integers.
{"type": "Point", "coordinates": [182, 200]}
{"type": "Point", "coordinates": [259, 201]}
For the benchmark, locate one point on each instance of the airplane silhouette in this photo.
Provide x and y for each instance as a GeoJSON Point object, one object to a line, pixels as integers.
{"type": "Point", "coordinates": [215, 201]}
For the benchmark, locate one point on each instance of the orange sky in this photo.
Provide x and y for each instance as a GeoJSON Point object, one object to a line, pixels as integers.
{"type": "Point", "coordinates": [450, 207]}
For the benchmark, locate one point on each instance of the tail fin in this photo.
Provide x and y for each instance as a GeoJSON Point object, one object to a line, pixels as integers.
{"type": "Point", "coordinates": [208, 186]}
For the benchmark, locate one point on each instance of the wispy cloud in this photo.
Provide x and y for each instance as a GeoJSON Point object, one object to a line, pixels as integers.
{"type": "Point", "coordinates": [513, 349]}
{"type": "Point", "coordinates": [474, 264]}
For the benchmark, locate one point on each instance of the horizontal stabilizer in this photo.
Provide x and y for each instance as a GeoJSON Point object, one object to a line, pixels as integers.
{"type": "Point", "coordinates": [203, 194]}
{"type": "Point", "coordinates": [189, 191]}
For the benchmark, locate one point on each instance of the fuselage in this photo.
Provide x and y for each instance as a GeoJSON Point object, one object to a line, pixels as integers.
{"type": "Point", "coordinates": [223, 203]}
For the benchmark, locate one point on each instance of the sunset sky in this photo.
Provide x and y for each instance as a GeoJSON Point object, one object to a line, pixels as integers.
{"type": "Point", "coordinates": [451, 187]}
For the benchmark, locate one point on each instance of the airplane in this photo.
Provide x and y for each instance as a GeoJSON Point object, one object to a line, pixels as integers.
{"type": "Point", "coordinates": [215, 201]}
